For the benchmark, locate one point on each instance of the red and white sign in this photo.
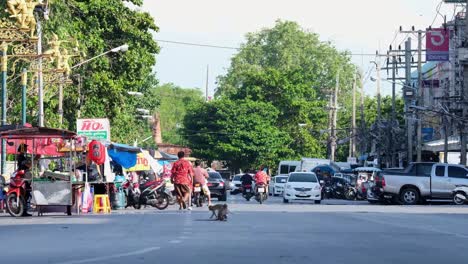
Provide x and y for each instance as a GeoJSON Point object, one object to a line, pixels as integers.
{"type": "Point", "coordinates": [94, 128]}
{"type": "Point", "coordinates": [437, 44]}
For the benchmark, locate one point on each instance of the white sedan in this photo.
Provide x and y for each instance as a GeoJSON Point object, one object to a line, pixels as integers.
{"type": "Point", "coordinates": [277, 183]}
{"type": "Point", "coordinates": [302, 186]}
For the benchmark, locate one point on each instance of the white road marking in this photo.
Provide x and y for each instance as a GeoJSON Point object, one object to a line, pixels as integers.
{"type": "Point", "coordinates": [96, 259]}
{"type": "Point", "coordinates": [175, 241]}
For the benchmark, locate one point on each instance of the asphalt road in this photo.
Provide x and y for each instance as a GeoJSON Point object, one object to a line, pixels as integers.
{"type": "Point", "coordinates": [334, 232]}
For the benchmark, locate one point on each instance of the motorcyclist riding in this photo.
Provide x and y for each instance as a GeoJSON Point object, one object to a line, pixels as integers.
{"type": "Point", "coordinates": [261, 178]}
{"type": "Point", "coordinates": [246, 179]}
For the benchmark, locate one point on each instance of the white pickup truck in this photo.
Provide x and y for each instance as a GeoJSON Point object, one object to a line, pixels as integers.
{"type": "Point", "coordinates": [421, 181]}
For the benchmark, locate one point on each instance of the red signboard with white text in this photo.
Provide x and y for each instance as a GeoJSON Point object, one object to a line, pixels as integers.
{"type": "Point", "coordinates": [94, 128]}
{"type": "Point", "coordinates": [437, 44]}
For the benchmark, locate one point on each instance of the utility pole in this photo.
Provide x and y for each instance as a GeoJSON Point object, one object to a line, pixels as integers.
{"type": "Point", "coordinates": [464, 97]}
{"type": "Point", "coordinates": [334, 109]}
{"type": "Point", "coordinates": [40, 81]}
{"type": "Point", "coordinates": [352, 149]}
{"type": "Point", "coordinates": [420, 100]}
{"type": "Point", "coordinates": [409, 120]}
{"type": "Point", "coordinates": [60, 103]}
{"type": "Point", "coordinates": [206, 88]}
{"type": "Point", "coordinates": [379, 112]}
{"type": "Point", "coordinates": [363, 122]}
{"type": "Point", "coordinates": [394, 122]}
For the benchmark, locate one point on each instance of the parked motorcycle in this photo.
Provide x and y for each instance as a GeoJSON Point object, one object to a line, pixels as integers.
{"type": "Point", "coordinates": [460, 194]}
{"type": "Point", "coordinates": [155, 194]}
{"type": "Point", "coordinates": [198, 195]}
{"type": "Point", "coordinates": [247, 191]}
{"type": "Point", "coordinates": [18, 195]}
{"type": "Point", "coordinates": [132, 194]}
{"type": "Point", "coordinates": [261, 193]}
{"type": "Point", "coordinates": [351, 193]}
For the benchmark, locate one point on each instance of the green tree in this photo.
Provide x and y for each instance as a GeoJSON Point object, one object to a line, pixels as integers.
{"type": "Point", "coordinates": [293, 70]}
{"type": "Point", "coordinates": [98, 26]}
{"type": "Point", "coordinates": [174, 104]}
{"type": "Point", "coordinates": [241, 132]}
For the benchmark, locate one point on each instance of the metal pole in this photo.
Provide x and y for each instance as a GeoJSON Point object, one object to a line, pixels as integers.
{"type": "Point", "coordinates": [40, 81]}
{"type": "Point", "coordinates": [363, 122]}
{"type": "Point", "coordinates": [444, 118]}
{"type": "Point", "coordinates": [4, 101]}
{"type": "Point", "coordinates": [335, 110]}
{"type": "Point", "coordinates": [420, 99]}
{"type": "Point", "coordinates": [464, 97]}
{"type": "Point", "coordinates": [60, 105]}
{"type": "Point", "coordinates": [392, 144]}
{"type": "Point", "coordinates": [353, 121]}
{"type": "Point", "coordinates": [379, 113]}
{"type": "Point", "coordinates": [206, 88]}
{"type": "Point", "coordinates": [24, 82]}
{"type": "Point", "coordinates": [409, 120]}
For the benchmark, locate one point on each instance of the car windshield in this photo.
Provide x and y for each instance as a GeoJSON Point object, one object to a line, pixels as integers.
{"type": "Point", "coordinates": [281, 179]}
{"type": "Point", "coordinates": [214, 176]}
{"type": "Point", "coordinates": [236, 178]}
{"type": "Point", "coordinates": [302, 177]}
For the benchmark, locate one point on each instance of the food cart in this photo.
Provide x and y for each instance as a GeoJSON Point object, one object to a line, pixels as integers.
{"type": "Point", "coordinates": [45, 188]}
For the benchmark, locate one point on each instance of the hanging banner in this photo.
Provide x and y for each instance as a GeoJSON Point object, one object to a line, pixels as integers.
{"type": "Point", "coordinates": [437, 44]}
{"type": "Point", "coordinates": [94, 128]}
{"type": "Point", "coordinates": [142, 163]}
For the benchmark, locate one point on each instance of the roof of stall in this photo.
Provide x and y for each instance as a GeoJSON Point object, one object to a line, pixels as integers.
{"type": "Point", "coordinates": [26, 132]}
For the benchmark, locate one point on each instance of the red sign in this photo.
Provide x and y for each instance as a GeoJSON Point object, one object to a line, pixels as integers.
{"type": "Point", "coordinates": [91, 125]}
{"type": "Point", "coordinates": [437, 44]}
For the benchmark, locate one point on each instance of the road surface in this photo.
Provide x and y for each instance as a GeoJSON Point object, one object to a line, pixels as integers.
{"type": "Point", "coordinates": [334, 232]}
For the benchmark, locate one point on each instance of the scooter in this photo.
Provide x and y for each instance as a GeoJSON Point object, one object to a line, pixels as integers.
{"type": "Point", "coordinates": [247, 191]}
{"type": "Point", "coordinates": [132, 194]}
{"type": "Point", "coordinates": [154, 193]}
{"type": "Point", "coordinates": [261, 194]}
{"type": "Point", "coordinates": [460, 194]}
{"type": "Point", "coordinates": [198, 195]}
{"type": "Point", "coordinates": [17, 195]}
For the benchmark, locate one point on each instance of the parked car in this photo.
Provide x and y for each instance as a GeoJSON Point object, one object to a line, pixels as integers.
{"type": "Point", "coordinates": [302, 186]}
{"type": "Point", "coordinates": [277, 183]}
{"type": "Point", "coordinates": [420, 181]}
{"type": "Point", "coordinates": [236, 184]}
{"type": "Point", "coordinates": [217, 186]}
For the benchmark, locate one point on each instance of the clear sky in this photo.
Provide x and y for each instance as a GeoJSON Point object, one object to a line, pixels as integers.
{"type": "Point", "coordinates": [360, 26]}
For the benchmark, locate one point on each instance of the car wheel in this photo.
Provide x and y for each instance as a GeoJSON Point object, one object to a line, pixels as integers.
{"type": "Point", "coordinates": [457, 200]}
{"type": "Point", "coordinates": [275, 194]}
{"type": "Point", "coordinates": [318, 201]}
{"type": "Point", "coordinates": [409, 196]}
{"type": "Point", "coordinates": [285, 200]}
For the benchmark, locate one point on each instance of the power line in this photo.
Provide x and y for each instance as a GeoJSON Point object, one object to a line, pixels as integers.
{"type": "Point", "coordinates": [234, 48]}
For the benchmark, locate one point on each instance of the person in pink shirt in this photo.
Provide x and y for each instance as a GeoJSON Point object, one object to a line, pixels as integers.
{"type": "Point", "coordinates": [200, 175]}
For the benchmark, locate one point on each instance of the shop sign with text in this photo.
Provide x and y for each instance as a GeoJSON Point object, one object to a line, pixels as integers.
{"type": "Point", "coordinates": [94, 128]}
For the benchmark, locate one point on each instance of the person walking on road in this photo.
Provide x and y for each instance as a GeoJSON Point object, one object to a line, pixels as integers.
{"type": "Point", "coordinates": [200, 176]}
{"type": "Point", "coordinates": [182, 178]}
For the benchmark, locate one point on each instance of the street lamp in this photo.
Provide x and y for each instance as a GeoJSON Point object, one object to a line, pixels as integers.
{"type": "Point", "coordinates": [122, 48]}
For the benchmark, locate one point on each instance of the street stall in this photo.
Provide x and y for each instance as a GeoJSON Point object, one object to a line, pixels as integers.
{"type": "Point", "coordinates": [42, 178]}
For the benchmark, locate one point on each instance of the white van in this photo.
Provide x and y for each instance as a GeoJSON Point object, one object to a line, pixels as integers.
{"type": "Point", "coordinates": [307, 164]}
{"type": "Point", "coordinates": [287, 166]}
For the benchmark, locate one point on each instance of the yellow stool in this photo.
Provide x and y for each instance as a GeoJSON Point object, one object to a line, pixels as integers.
{"type": "Point", "coordinates": [101, 203]}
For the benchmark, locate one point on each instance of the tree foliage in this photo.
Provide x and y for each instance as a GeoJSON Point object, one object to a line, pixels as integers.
{"type": "Point", "coordinates": [242, 132]}
{"type": "Point", "coordinates": [99, 26]}
{"type": "Point", "coordinates": [174, 104]}
{"type": "Point", "coordinates": [293, 70]}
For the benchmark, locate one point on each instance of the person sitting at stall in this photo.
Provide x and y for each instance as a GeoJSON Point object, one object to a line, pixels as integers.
{"type": "Point", "coordinates": [21, 157]}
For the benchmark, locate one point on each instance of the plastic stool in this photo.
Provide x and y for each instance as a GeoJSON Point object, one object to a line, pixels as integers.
{"type": "Point", "coordinates": [101, 203]}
